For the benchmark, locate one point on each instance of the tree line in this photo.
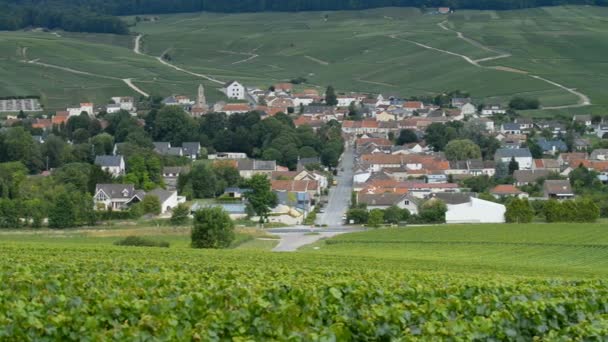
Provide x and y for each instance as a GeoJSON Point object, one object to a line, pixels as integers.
{"type": "Point", "coordinates": [98, 16]}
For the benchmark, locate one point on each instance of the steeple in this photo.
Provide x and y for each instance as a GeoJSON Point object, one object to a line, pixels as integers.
{"type": "Point", "coordinates": [201, 100]}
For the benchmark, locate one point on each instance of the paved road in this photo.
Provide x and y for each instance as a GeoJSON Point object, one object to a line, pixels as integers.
{"type": "Point", "coordinates": [339, 196]}
{"type": "Point", "coordinates": [290, 242]}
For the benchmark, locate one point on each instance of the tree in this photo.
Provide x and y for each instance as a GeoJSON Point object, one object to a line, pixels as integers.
{"type": "Point", "coordinates": [180, 214]}
{"type": "Point", "coordinates": [433, 211]}
{"type": "Point", "coordinates": [151, 205]}
{"type": "Point", "coordinates": [62, 213]}
{"type": "Point", "coordinates": [462, 149]}
{"type": "Point", "coordinates": [213, 228]}
{"type": "Point", "coordinates": [553, 211]}
{"type": "Point", "coordinates": [587, 210]}
{"type": "Point", "coordinates": [522, 103]}
{"type": "Point", "coordinates": [173, 125]}
{"type": "Point", "coordinates": [272, 154]}
{"type": "Point", "coordinates": [308, 152]}
{"type": "Point", "coordinates": [535, 149]}
{"type": "Point", "coordinates": [330, 97]}
{"type": "Point", "coordinates": [513, 166]}
{"type": "Point", "coordinates": [9, 214]}
{"type": "Point", "coordinates": [204, 182]}
{"type": "Point", "coordinates": [407, 136]}
{"type": "Point", "coordinates": [376, 218]}
{"type": "Point", "coordinates": [54, 150]}
{"type": "Point", "coordinates": [260, 198]}
{"type": "Point", "coordinates": [357, 216]}
{"type": "Point", "coordinates": [519, 211]}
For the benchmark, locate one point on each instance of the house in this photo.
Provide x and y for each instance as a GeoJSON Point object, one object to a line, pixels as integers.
{"type": "Point", "coordinates": [584, 120]}
{"type": "Point", "coordinates": [387, 199]}
{"type": "Point", "coordinates": [116, 197]}
{"type": "Point", "coordinates": [521, 155]}
{"type": "Point", "coordinates": [552, 165]}
{"type": "Point", "coordinates": [476, 211]}
{"type": "Point", "coordinates": [468, 109]}
{"type": "Point", "coordinates": [452, 198]}
{"type": "Point", "coordinates": [168, 199]}
{"type": "Point", "coordinates": [385, 116]}
{"type": "Point", "coordinates": [299, 201]}
{"type": "Point", "coordinates": [556, 128]}
{"type": "Point", "coordinates": [235, 90]}
{"type": "Point", "coordinates": [525, 124]}
{"type": "Point", "coordinates": [309, 186]}
{"type": "Point", "coordinates": [284, 87]}
{"type": "Point", "coordinates": [84, 107]}
{"type": "Point", "coordinates": [525, 177]}
{"type": "Point", "coordinates": [599, 154]}
{"type": "Point", "coordinates": [601, 131]}
{"type": "Point", "coordinates": [250, 167]}
{"type": "Point", "coordinates": [558, 189]}
{"type": "Point", "coordinates": [191, 150]}
{"type": "Point", "coordinates": [566, 158]}
{"type": "Point", "coordinates": [232, 108]}
{"type": "Point", "coordinates": [235, 210]}
{"type": "Point", "coordinates": [552, 147]}
{"type": "Point", "coordinates": [510, 128]}
{"type": "Point", "coordinates": [171, 175]}
{"type": "Point", "coordinates": [472, 167]}
{"type": "Point", "coordinates": [507, 190]}
{"type": "Point", "coordinates": [165, 149]}
{"type": "Point", "coordinates": [227, 155]}
{"type": "Point", "coordinates": [124, 103]}
{"type": "Point", "coordinates": [581, 144]}
{"type": "Point", "coordinates": [490, 110]}
{"type": "Point", "coordinates": [443, 10]}
{"type": "Point", "coordinates": [115, 165]}
{"type": "Point", "coordinates": [236, 193]}
{"type": "Point", "coordinates": [458, 102]}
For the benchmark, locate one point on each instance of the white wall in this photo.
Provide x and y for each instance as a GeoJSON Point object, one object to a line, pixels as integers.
{"type": "Point", "coordinates": [476, 211]}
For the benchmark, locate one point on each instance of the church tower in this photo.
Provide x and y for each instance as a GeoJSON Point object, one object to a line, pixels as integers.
{"type": "Point", "coordinates": [201, 100]}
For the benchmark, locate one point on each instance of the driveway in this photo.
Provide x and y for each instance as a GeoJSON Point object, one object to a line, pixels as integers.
{"type": "Point", "coordinates": [296, 237]}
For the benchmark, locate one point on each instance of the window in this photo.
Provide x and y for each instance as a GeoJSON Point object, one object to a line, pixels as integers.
{"type": "Point", "coordinates": [406, 202]}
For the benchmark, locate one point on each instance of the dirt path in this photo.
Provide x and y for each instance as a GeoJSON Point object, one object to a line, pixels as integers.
{"type": "Point", "coordinates": [583, 99]}
{"type": "Point", "coordinates": [188, 72]}
{"type": "Point", "coordinates": [250, 54]}
{"type": "Point", "coordinates": [137, 45]}
{"type": "Point", "coordinates": [322, 62]}
{"type": "Point", "coordinates": [127, 81]}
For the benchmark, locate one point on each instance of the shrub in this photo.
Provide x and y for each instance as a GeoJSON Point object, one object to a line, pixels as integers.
{"type": "Point", "coordinates": [519, 211]}
{"type": "Point", "coordinates": [180, 215]}
{"type": "Point", "coordinates": [140, 242]}
{"type": "Point", "coordinates": [213, 228]}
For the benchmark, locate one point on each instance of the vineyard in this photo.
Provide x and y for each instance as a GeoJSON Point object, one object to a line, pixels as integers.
{"type": "Point", "coordinates": [62, 292]}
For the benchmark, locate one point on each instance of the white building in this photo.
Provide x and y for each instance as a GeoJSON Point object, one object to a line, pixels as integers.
{"type": "Point", "coordinates": [521, 155]}
{"type": "Point", "coordinates": [469, 109]}
{"type": "Point", "coordinates": [84, 107]}
{"type": "Point", "coordinates": [235, 90]}
{"type": "Point", "coordinates": [476, 211]}
{"type": "Point", "coordinates": [492, 110]}
{"type": "Point", "coordinates": [125, 102]}
{"type": "Point", "coordinates": [115, 165]}
{"type": "Point", "coordinates": [168, 199]}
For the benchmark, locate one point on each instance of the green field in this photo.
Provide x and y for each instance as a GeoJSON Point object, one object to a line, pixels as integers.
{"type": "Point", "coordinates": [501, 282]}
{"type": "Point", "coordinates": [370, 51]}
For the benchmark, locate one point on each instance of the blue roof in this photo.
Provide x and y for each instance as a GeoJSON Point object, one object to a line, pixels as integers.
{"type": "Point", "coordinates": [230, 208]}
{"type": "Point", "coordinates": [550, 145]}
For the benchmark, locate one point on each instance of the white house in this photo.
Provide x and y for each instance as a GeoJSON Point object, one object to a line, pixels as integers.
{"type": "Point", "coordinates": [84, 107]}
{"type": "Point", "coordinates": [469, 109]}
{"type": "Point", "coordinates": [168, 199]}
{"type": "Point", "coordinates": [125, 102]}
{"type": "Point", "coordinates": [115, 165]}
{"type": "Point", "coordinates": [235, 90]}
{"type": "Point", "coordinates": [116, 196]}
{"type": "Point", "coordinates": [492, 110]}
{"type": "Point", "coordinates": [521, 155]}
{"type": "Point", "coordinates": [476, 211]}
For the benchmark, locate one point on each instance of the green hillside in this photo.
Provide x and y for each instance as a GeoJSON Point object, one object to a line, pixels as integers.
{"type": "Point", "coordinates": [425, 283]}
{"type": "Point", "coordinates": [395, 50]}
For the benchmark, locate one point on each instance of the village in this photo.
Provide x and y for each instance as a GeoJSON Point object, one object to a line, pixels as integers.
{"type": "Point", "coordinates": [400, 153]}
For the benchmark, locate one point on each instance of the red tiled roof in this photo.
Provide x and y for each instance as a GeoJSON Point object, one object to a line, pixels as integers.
{"type": "Point", "coordinates": [236, 107]}
{"type": "Point", "coordinates": [413, 105]}
{"type": "Point", "coordinates": [506, 189]}
{"type": "Point", "coordinates": [296, 186]}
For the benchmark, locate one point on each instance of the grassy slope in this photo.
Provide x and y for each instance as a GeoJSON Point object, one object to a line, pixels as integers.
{"type": "Point", "coordinates": [534, 249]}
